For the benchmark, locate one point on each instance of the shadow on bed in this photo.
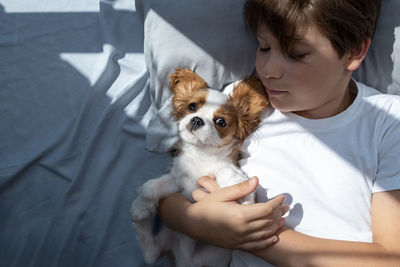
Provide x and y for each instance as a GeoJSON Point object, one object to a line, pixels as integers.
{"type": "Point", "coordinates": [74, 104]}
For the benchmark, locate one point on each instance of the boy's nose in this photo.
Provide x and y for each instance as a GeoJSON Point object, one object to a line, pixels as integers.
{"type": "Point", "coordinates": [271, 67]}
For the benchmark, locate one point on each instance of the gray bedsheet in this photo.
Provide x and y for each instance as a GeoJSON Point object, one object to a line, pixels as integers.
{"type": "Point", "coordinates": [74, 105]}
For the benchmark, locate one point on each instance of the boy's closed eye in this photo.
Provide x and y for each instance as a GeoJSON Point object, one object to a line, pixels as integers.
{"type": "Point", "coordinates": [300, 50]}
{"type": "Point", "coordinates": [264, 49]}
{"type": "Point", "coordinates": [298, 55]}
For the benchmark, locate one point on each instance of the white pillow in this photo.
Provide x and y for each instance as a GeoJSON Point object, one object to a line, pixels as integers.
{"type": "Point", "coordinates": [207, 36]}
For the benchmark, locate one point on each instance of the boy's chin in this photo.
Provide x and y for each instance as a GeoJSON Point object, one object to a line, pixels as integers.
{"type": "Point", "coordinates": [282, 108]}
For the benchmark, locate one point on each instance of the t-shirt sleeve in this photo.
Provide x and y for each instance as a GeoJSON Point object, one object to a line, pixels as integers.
{"type": "Point", "coordinates": [388, 171]}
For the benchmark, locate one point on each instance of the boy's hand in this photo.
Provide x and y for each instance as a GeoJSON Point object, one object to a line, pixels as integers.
{"type": "Point", "coordinates": [221, 221]}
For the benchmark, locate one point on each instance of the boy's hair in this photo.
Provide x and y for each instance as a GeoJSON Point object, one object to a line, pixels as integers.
{"type": "Point", "coordinates": [346, 23]}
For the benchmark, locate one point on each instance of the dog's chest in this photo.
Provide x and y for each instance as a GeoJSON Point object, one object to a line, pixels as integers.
{"type": "Point", "coordinates": [190, 166]}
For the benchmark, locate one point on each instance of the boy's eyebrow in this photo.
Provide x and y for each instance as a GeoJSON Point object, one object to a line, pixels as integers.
{"type": "Point", "coordinates": [259, 36]}
{"type": "Point", "coordinates": [301, 41]}
{"type": "Point", "coordinates": [299, 38]}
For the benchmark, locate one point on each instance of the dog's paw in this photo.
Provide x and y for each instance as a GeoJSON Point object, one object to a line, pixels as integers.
{"type": "Point", "coordinates": [151, 250]}
{"type": "Point", "coordinates": [151, 255]}
{"type": "Point", "coordinates": [141, 209]}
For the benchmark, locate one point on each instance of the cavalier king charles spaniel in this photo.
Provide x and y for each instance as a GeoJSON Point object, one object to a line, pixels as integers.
{"type": "Point", "coordinates": [212, 126]}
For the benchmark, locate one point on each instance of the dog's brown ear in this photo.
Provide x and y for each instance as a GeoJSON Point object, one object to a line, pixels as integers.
{"type": "Point", "coordinates": [250, 99]}
{"type": "Point", "coordinates": [186, 80]}
{"type": "Point", "coordinates": [184, 83]}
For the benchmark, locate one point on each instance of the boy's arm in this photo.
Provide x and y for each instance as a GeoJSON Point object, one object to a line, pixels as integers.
{"type": "Point", "coordinates": [295, 249]}
{"type": "Point", "coordinates": [219, 220]}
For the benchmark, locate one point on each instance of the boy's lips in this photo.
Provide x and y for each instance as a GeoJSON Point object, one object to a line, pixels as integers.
{"type": "Point", "coordinates": [274, 91]}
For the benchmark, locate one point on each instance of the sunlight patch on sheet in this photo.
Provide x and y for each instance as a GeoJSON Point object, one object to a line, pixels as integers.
{"type": "Point", "coordinates": [90, 65]}
{"type": "Point", "coordinates": [48, 6]}
{"type": "Point", "coordinates": [132, 69]}
{"type": "Point", "coordinates": [127, 5]}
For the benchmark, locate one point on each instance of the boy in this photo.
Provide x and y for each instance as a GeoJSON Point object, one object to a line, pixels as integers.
{"type": "Point", "coordinates": [328, 143]}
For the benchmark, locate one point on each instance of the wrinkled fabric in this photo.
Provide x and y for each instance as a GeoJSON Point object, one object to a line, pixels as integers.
{"type": "Point", "coordinates": [74, 107]}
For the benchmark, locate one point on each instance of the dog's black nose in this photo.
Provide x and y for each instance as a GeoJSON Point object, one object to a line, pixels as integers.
{"type": "Point", "coordinates": [196, 123]}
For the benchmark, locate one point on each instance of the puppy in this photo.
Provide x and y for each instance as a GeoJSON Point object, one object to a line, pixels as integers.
{"type": "Point", "coordinates": [212, 126]}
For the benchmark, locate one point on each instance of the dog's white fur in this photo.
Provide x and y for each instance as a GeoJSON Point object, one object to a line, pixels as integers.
{"type": "Point", "coordinates": [203, 151]}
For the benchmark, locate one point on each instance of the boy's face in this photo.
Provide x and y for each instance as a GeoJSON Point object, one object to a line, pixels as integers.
{"type": "Point", "coordinates": [314, 85]}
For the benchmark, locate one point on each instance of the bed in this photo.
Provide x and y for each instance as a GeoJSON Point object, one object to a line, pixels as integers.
{"type": "Point", "coordinates": [84, 113]}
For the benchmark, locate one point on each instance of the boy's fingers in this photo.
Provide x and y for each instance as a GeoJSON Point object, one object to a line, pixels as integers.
{"type": "Point", "coordinates": [260, 210]}
{"type": "Point", "coordinates": [261, 234]}
{"type": "Point", "coordinates": [269, 225]}
{"type": "Point", "coordinates": [284, 209]}
{"type": "Point", "coordinates": [208, 182]}
{"type": "Point", "coordinates": [237, 191]}
{"type": "Point", "coordinates": [260, 244]}
{"type": "Point", "coordinates": [199, 194]}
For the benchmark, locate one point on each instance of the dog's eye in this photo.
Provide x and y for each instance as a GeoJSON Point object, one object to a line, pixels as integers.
{"type": "Point", "coordinates": [220, 122]}
{"type": "Point", "coordinates": [192, 107]}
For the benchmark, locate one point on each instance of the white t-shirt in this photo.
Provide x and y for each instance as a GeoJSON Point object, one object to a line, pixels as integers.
{"type": "Point", "coordinates": [327, 168]}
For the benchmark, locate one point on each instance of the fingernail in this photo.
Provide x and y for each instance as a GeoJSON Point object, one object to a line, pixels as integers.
{"type": "Point", "coordinates": [252, 181]}
{"type": "Point", "coordinates": [286, 208]}
{"type": "Point", "coordinates": [274, 239]}
{"type": "Point", "coordinates": [282, 197]}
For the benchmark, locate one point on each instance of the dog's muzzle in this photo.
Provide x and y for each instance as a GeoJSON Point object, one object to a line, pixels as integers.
{"type": "Point", "coordinates": [196, 123]}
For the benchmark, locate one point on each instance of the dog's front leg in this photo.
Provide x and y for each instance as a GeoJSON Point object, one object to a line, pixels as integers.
{"type": "Point", "coordinates": [150, 193]}
{"type": "Point", "coordinates": [142, 209]}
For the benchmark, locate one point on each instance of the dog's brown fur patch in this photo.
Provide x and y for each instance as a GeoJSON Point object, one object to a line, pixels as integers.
{"type": "Point", "coordinates": [250, 99]}
{"type": "Point", "coordinates": [187, 88]}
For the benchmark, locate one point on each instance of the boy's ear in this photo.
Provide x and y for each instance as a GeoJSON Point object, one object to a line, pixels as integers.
{"type": "Point", "coordinates": [249, 99]}
{"type": "Point", "coordinates": [186, 80]}
{"type": "Point", "coordinates": [357, 55]}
